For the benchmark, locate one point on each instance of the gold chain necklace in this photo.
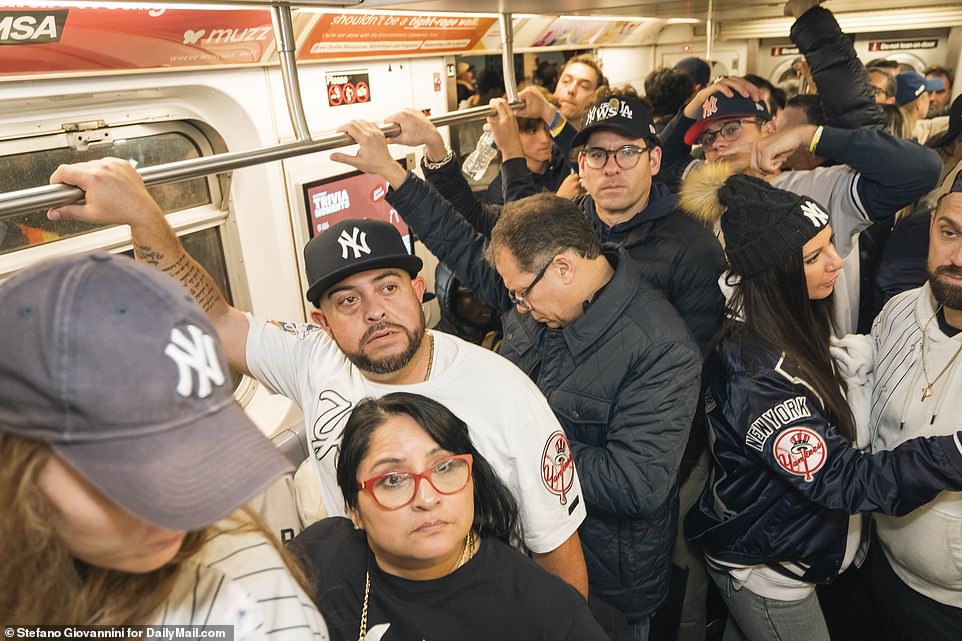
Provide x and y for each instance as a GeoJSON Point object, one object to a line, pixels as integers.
{"type": "Point", "coordinates": [362, 633]}
{"type": "Point", "coordinates": [427, 374]}
{"type": "Point", "coordinates": [927, 390]}
{"type": "Point", "coordinates": [466, 553]}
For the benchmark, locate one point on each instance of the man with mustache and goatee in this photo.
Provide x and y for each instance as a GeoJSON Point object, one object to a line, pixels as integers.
{"type": "Point", "coordinates": [368, 339]}
{"type": "Point", "coordinates": [914, 569]}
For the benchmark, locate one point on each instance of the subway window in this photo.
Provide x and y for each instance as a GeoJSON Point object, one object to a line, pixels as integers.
{"type": "Point", "coordinates": [143, 146]}
{"type": "Point", "coordinates": [29, 161]}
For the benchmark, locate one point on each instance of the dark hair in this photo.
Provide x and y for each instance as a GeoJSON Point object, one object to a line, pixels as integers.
{"type": "Point", "coordinates": [776, 95]}
{"type": "Point", "coordinates": [530, 125]}
{"type": "Point", "coordinates": [495, 509]}
{"type": "Point", "coordinates": [590, 61]}
{"type": "Point", "coordinates": [775, 309]}
{"type": "Point", "coordinates": [882, 64]}
{"type": "Point", "coordinates": [668, 90]}
{"type": "Point", "coordinates": [539, 227]}
{"type": "Point", "coordinates": [489, 81]}
{"type": "Point", "coordinates": [546, 75]}
{"type": "Point", "coordinates": [811, 104]}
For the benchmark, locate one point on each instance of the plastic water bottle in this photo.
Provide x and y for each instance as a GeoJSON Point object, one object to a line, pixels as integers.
{"type": "Point", "coordinates": [484, 152]}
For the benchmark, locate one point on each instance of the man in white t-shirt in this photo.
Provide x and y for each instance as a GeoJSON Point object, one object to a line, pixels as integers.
{"type": "Point", "coordinates": [369, 339]}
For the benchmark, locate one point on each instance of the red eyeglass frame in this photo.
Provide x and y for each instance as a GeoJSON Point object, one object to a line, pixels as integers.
{"type": "Point", "coordinates": [367, 485]}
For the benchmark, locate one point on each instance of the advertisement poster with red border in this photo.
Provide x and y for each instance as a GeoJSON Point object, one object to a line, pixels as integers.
{"type": "Point", "coordinates": [67, 39]}
{"type": "Point", "coordinates": [343, 35]}
{"type": "Point", "coordinates": [355, 195]}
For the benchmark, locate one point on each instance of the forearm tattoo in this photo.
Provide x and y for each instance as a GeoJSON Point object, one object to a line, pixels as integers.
{"type": "Point", "coordinates": [187, 271]}
{"type": "Point", "coordinates": [147, 255]}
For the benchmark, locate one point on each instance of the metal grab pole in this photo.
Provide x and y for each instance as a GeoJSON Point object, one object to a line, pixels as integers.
{"type": "Point", "coordinates": [507, 56]}
{"type": "Point", "coordinates": [284, 38]}
{"type": "Point", "coordinates": [46, 196]}
{"type": "Point", "coordinates": [709, 36]}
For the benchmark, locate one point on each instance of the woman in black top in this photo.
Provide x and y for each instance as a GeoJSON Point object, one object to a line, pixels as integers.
{"type": "Point", "coordinates": [422, 558]}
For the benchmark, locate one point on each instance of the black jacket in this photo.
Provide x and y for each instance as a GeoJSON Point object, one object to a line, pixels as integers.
{"type": "Point", "coordinates": [783, 480]}
{"type": "Point", "coordinates": [843, 87]}
{"type": "Point", "coordinates": [555, 173]}
{"type": "Point", "coordinates": [623, 381]}
{"type": "Point", "coordinates": [678, 255]}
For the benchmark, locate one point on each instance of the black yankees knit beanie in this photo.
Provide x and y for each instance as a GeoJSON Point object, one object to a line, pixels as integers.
{"type": "Point", "coordinates": [762, 225]}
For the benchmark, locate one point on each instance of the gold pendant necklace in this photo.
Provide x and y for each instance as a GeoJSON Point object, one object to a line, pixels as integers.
{"type": "Point", "coordinates": [927, 390]}
{"type": "Point", "coordinates": [467, 552]}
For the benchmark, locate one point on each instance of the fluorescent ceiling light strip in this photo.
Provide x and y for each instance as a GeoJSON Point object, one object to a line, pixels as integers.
{"type": "Point", "coordinates": [389, 10]}
{"type": "Point", "coordinates": [895, 20]}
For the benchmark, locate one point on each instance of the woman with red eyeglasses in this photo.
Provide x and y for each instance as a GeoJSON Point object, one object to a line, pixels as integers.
{"type": "Point", "coordinates": [423, 555]}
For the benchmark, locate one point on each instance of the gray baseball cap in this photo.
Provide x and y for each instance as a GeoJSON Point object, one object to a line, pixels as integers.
{"type": "Point", "coordinates": [116, 367]}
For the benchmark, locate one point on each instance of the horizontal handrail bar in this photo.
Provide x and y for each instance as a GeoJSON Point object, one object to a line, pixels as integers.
{"type": "Point", "coordinates": [46, 196]}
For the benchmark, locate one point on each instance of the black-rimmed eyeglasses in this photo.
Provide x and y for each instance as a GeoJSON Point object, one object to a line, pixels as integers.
{"type": "Point", "coordinates": [730, 131]}
{"type": "Point", "coordinates": [519, 298]}
{"type": "Point", "coordinates": [626, 156]}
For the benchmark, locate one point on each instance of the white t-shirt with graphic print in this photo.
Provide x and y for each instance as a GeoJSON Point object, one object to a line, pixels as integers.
{"type": "Point", "coordinates": [509, 419]}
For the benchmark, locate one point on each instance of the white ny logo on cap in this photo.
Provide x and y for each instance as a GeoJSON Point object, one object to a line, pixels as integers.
{"type": "Point", "coordinates": [814, 213]}
{"type": "Point", "coordinates": [194, 354]}
{"type": "Point", "coordinates": [356, 241]}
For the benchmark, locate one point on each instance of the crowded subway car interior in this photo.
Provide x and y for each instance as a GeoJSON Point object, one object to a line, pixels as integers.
{"type": "Point", "coordinates": [424, 319]}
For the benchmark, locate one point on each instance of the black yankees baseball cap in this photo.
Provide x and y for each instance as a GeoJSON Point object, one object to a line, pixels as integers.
{"type": "Point", "coordinates": [352, 246]}
{"type": "Point", "coordinates": [626, 114]}
{"type": "Point", "coordinates": [117, 369]}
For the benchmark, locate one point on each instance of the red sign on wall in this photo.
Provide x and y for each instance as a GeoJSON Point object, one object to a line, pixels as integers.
{"type": "Point", "coordinates": [342, 35]}
{"type": "Point", "coordinates": [41, 40]}
{"type": "Point", "coordinates": [348, 88]}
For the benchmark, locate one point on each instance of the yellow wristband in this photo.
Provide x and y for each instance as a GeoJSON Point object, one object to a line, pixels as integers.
{"type": "Point", "coordinates": [815, 138]}
{"type": "Point", "coordinates": [557, 124]}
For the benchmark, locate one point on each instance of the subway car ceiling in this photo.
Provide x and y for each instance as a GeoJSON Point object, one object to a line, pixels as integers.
{"type": "Point", "coordinates": [721, 11]}
{"type": "Point", "coordinates": [606, 23]}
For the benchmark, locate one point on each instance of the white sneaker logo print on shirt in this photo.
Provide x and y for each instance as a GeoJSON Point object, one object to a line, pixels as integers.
{"type": "Point", "coordinates": [194, 354]}
{"type": "Point", "coordinates": [356, 241]}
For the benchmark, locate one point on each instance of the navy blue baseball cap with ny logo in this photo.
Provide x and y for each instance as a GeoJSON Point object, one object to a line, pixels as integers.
{"type": "Point", "coordinates": [719, 107]}
{"type": "Point", "coordinates": [352, 246]}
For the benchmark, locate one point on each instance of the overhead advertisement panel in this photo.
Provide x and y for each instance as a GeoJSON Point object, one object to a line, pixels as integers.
{"type": "Point", "coordinates": [344, 35]}
{"type": "Point", "coordinates": [569, 31]}
{"type": "Point", "coordinates": [69, 39]}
